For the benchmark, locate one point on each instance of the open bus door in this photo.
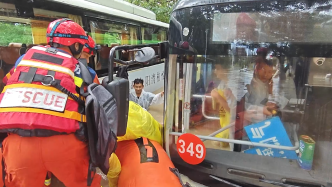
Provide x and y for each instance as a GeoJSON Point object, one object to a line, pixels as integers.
{"type": "Point", "coordinates": [265, 118]}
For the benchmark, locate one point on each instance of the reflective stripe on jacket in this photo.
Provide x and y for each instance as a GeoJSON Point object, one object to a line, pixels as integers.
{"type": "Point", "coordinates": [25, 103]}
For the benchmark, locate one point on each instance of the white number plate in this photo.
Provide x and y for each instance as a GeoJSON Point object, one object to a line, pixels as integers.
{"type": "Point", "coordinates": [34, 98]}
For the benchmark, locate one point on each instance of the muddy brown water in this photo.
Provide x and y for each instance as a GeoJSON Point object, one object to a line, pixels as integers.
{"type": "Point", "coordinates": [156, 111]}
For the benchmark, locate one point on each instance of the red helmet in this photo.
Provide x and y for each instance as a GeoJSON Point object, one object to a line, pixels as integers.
{"type": "Point", "coordinates": [66, 32]}
{"type": "Point", "coordinates": [90, 47]}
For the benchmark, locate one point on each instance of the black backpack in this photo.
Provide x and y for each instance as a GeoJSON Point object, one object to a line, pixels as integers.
{"type": "Point", "coordinates": [106, 109]}
{"type": "Point", "coordinates": [103, 116]}
{"type": "Point", "coordinates": [102, 122]}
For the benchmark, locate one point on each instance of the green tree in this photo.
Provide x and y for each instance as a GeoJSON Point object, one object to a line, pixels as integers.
{"type": "Point", "coordinates": [15, 33]}
{"type": "Point", "coordinates": [162, 8]}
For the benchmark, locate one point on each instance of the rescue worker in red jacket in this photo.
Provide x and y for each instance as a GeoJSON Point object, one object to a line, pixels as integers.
{"type": "Point", "coordinates": [45, 124]}
{"type": "Point", "coordinates": [88, 51]}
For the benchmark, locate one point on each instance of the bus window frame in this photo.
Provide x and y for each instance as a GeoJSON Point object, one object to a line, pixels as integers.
{"type": "Point", "coordinates": [114, 20]}
{"type": "Point", "coordinates": [147, 26]}
{"type": "Point", "coordinates": [115, 23]}
{"type": "Point", "coordinates": [86, 16]}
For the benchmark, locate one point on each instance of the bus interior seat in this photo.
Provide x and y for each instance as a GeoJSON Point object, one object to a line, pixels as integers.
{"type": "Point", "coordinates": [2, 75]}
{"type": "Point", "coordinates": [30, 46]}
{"type": "Point", "coordinates": [23, 49]}
{"type": "Point", "coordinates": [156, 50]}
{"type": "Point", "coordinates": [8, 57]}
{"type": "Point", "coordinates": [103, 56]}
{"type": "Point", "coordinates": [15, 45]}
{"type": "Point", "coordinates": [104, 52]}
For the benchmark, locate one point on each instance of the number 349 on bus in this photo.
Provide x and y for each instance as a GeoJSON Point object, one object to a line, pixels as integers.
{"type": "Point", "coordinates": [191, 149]}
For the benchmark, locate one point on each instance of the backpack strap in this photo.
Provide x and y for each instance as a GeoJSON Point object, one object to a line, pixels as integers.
{"type": "Point", "coordinates": [88, 81]}
{"type": "Point", "coordinates": [64, 90]}
{"type": "Point", "coordinates": [91, 123]}
{"type": "Point", "coordinates": [86, 76]}
{"type": "Point", "coordinates": [91, 136]}
{"type": "Point", "coordinates": [91, 173]}
{"type": "Point", "coordinates": [177, 173]}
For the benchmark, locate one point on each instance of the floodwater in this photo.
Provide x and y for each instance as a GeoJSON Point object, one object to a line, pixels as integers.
{"type": "Point", "coordinates": [237, 82]}
{"type": "Point", "coordinates": [157, 112]}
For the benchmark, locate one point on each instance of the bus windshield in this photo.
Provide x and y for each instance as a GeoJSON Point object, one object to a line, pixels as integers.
{"type": "Point", "coordinates": [253, 81]}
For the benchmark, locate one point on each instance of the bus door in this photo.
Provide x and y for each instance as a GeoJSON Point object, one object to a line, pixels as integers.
{"type": "Point", "coordinates": [260, 74]}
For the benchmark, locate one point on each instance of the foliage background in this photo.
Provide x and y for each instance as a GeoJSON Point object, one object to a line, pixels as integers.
{"type": "Point", "coordinates": [15, 32]}
{"type": "Point", "coordinates": [162, 8]}
{"type": "Point", "coordinates": [22, 33]}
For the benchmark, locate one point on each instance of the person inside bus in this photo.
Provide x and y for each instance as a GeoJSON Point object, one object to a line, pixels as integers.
{"type": "Point", "coordinates": [261, 54]}
{"type": "Point", "coordinates": [65, 155]}
{"type": "Point", "coordinates": [256, 99]}
{"type": "Point", "coordinates": [224, 97]}
{"type": "Point", "coordinates": [144, 99]}
{"type": "Point", "coordinates": [254, 105]}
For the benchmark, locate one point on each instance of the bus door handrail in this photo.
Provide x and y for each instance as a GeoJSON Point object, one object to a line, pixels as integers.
{"type": "Point", "coordinates": [211, 136]}
{"type": "Point", "coordinates": [203, 97]}
{"type": "Point", "coordinates": [288, 148]}
{"type": "Point", "coordinates": [220, 130]}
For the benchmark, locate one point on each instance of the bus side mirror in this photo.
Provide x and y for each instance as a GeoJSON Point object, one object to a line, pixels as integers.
{"type": "Point", "coordinates": [145, 55]}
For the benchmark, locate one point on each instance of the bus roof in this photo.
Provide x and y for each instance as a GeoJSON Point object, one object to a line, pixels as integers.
{"type": "Point", "coordinates": [193, 3]}
{"type": "Point", "coordinates": [126, 7]}
{"type": "Point", "coordinates": [116, 8]}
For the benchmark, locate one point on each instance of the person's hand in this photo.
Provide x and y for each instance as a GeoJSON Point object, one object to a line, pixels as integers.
{"type": "Point", "coordinates": [253, 116]}
{"type": "Point", "coordinates": [162, 93]}
{"type": "Point", "coordinates": [271, 105]}
{"type": "Point", "coordinates": [214, 94]}
{"type": "Point", "coordinates": [266, 111]}
{"type": "Point", "coordinates": [228, 92]}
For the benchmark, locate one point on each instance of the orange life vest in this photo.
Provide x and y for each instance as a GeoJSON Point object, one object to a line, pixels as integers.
{"type": "Point", "coordinates": [145, 163]}
{"type": "Point", "coordinates": [29, 107]}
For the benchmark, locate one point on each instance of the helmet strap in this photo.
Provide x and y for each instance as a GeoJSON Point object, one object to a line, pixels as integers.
{"type": "Point", "coordinates": [55, 27]}
{"type": "Point", "coordinates": [74, 51]}
{"type": "Point", "coordinates": [56, 45]}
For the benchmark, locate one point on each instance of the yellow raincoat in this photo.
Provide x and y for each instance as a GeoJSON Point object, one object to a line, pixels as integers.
{"type": "Point", "coordinates": [225, 118]}
{"type": "Point", "coordinates": [140, 124]}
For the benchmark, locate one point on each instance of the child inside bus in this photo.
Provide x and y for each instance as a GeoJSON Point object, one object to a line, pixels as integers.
{"type": "Point", "coordinates": [259, 90]}
{"type": "Point", "coordinates": [223, 96]}
{"type": "Point", "coordinates": [255, 106]}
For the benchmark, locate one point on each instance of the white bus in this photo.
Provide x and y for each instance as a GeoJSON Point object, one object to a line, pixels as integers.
{"type": "Point", "coordinates": [267, 126]}
{"type": "Point", "coordinates": [109, 22]}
